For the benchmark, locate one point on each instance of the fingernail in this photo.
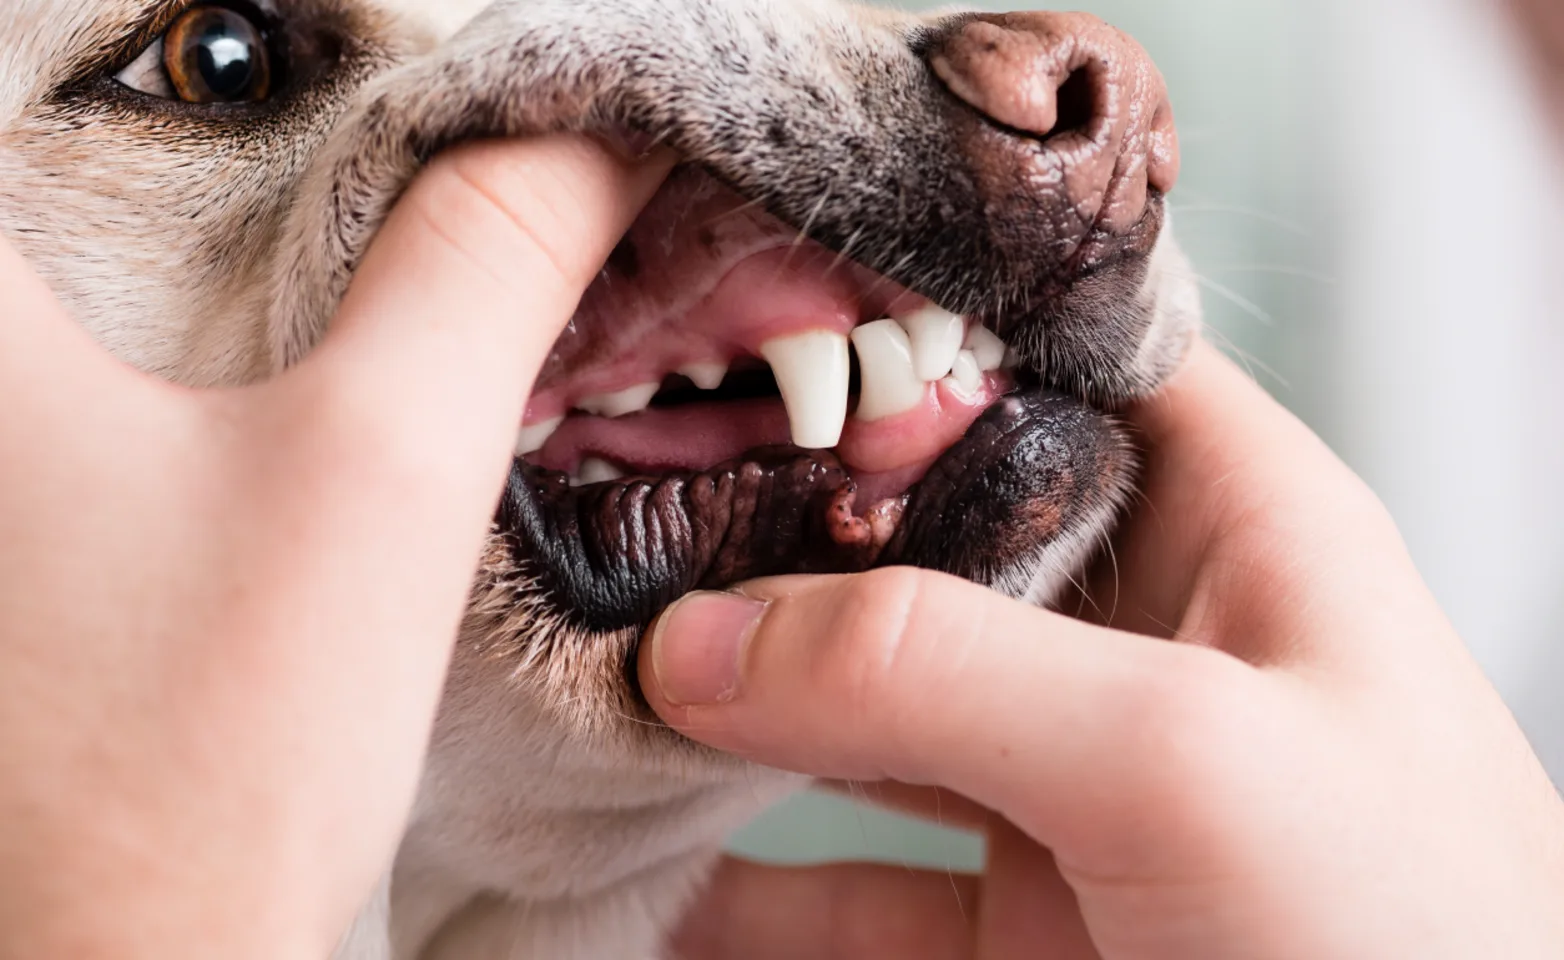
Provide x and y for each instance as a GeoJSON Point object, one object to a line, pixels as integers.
{"type": "Point", "coordinates": [698, 646]}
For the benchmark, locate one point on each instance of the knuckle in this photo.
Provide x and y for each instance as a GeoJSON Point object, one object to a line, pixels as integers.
{"type": "Point", "coordinates": [877, 651]}
{"type": "Point", "coordinates": [1187, 716]}
{"type": "Point", "coordinates": [495, 221]}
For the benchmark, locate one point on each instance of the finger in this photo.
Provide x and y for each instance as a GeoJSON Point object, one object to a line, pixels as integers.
{"type": "Point", "coordinates": [1057, 725]}
{"type": "Point", "coordinates": [1027, 903]}
{"type": "Point", "coordinates": [363, 482]}
{"type": "Point", "coordinates": [462, 295]}
{"type": "Point", "coordinates": [387, 447]}
{"type": "Point", "coordinates": [1248, 525]}
{"type": "Point", "coordinates": [839, 912]}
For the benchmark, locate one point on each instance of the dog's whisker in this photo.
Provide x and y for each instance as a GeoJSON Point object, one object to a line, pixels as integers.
{"type": "Point", "coordinates": [802, 235]}
{"type": "Point", "coordinates": [1238, 300]}
{"type": "Point", "coordinates": [736, 211]}
{"type": "Point", "coordinates": [1196, 209]}
{"type": "Point", "coordinates": [1281, 270]}
{"type": "Point", "coordinates": [883, 280]}
{"type": "Point", "coordinates": [1113, 559]}
{"type": "Point", "coordinates": [845, 253]}
{"type": "Point", "coordinates": [1249, 360]}
{"type": "Point", "coordinates": [1081, 587]}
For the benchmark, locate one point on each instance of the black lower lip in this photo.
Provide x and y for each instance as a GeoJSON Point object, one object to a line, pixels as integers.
{"type": "Point", "coordinates": [1033, 468]}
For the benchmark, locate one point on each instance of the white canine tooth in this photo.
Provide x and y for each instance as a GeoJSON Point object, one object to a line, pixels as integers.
{"type": "Point", "coordinates": [706, 375]}
{"type": "Point", "coordinates": [812, 371]}
{"type": "Point", "coordinates": [936, 337]}
{"type": "Point", "coordinates": [532, 437]}
{"type": "Point", "coordinates": [889, 383]}
{"type": "Point", "coordinates": [987, 348]}
{"type": "Point", "coordinates": [625, 402]}
{"type": "Point", "coordinates": [592, 470]}
{"type": "Point", "coordinates": [966, 374]}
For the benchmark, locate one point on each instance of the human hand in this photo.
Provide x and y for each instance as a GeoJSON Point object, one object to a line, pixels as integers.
{"type": "Point", "coordinates": [224, 616]}
{"type": "Point", "coordinates": [1315, 769]}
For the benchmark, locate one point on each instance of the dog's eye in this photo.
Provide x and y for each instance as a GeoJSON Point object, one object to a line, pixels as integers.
{"type": "Point", "coordinates": [211, 54]}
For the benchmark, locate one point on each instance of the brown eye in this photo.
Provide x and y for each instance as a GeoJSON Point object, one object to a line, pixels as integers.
{"type": "Point", "coordinates": [217, 55]}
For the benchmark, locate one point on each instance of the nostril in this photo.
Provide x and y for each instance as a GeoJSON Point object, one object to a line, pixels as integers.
{"type": "Point", "coordinates": [1005, 74]}
{"type": "Point", "coordinates": [1085, 90]}
{"type": "Point", "coordinates": [1039, 75]}
{"type": "Point", "coordinates": [1077, 104]}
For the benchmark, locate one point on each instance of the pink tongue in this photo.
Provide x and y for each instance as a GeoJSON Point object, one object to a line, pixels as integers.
{"type": "Point", "coordinates": [700, 436]}
{"type": "Point", "coordinates": [661, 441]}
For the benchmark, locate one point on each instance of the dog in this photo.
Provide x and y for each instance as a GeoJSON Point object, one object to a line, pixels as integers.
{"type": "Point", "coordinates": [972, 204]}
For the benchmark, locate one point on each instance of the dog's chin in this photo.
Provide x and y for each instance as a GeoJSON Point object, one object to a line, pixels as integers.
{"type": "Point", "coordinates": [688, 429]}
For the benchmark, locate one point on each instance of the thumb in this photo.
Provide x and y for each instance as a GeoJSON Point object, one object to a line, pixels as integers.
{"type": "Point", "coordinates": [925, 679]}
{"type": "Point", "coordinates": [465, 290]}
{"type": "Point", "coordinates": [378, 460]}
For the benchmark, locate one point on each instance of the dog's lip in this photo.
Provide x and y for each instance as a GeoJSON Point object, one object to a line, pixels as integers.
{"type": "Point", "coordinates": [613, 555]}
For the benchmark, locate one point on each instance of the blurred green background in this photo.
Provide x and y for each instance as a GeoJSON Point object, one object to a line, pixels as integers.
{"type": "Point", "coordinates": [1366, 197]}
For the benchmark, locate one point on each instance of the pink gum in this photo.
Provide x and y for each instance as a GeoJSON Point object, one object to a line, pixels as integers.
{"type": "Point", "coordinates": [769, 295]}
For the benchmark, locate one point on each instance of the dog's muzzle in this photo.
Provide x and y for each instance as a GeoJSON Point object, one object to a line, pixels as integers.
{"type": "Point", "coordinates": [744, 395]}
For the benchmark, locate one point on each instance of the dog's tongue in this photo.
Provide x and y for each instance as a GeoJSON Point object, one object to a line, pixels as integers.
{"type": "Point", "coordinates": [698, 436]}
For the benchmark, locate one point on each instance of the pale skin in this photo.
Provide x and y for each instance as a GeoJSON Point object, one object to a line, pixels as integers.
{"type": "Point", "coordinates": [225, 616]}
{"type": "Point", "coordinates": [218, 661]}
{"type": "Point", "coordinates": [1542, 26]}
{"type": "Point", "coordinates": [1311, 766]}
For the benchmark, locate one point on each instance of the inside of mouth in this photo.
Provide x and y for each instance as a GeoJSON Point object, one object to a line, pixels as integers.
{"type": "Point", "coordinates": [886, 394]}
{"type": "Point", "coordinates": [715, 330]}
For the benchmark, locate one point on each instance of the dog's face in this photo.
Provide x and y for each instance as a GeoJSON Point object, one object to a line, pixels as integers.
{"type": "Point", "coordinates": [198, 182]}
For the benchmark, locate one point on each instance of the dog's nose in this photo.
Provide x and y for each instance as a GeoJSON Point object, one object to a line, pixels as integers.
{"type": "Point", "coordinates": [1071, 104]}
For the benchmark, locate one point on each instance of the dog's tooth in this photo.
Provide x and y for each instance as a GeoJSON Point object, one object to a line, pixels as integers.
{"type": "Point", "coordinates": [532, 437]}
{"type": "Point", "coordinates": [812, 371]}
{"type": "Point", "coordinates": [889, 383]}
{"type": "Point", "coordinates": [936, 336]}
{"type": "Point", "coordinates": [987, 348]}
{"type": "Point", "coordinates": [592, 470]}
{"type": "Point", "coordinates": [966, 376]}
{"type": "Point", "coordinates": [706, 375]}
{"type": "Point", "coordinates": [621, 404]}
